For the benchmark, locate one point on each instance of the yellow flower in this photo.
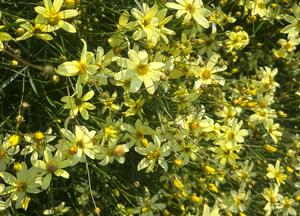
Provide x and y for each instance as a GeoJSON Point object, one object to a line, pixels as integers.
{"type": "Point", "coordinates": [4, 37]}
{"type": "Point", "coordinates": [139, 71]}
{"type": "Point", "coordinates": [192, 9]}
{"type": "Point", "coordinates": [178, 184]}
{"type": "Point", "coordinates": [237, 40]}
{"type": "Point", "coordinates": [270, 148]}
{"type": "Point", "coordinates": [272, 130]}
{"type": "Point", "coordinates": [51, 15]}
{"type": "Point", "coordinates": [275, 172]}
{"type": "Point", "coordinates": [293, 28]}
{"type": "Point", "coordinates": [213, 188]}
{"type": "Point", "coordinates": [83, 68]}
{"type": "Point", "coordinates": [38, 30]}
{"type": "Point", "coordinates": [52, 165]}
{"type": "Point", "coordinates": [14, 140]}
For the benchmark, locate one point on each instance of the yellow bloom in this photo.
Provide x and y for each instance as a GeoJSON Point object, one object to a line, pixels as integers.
{"type": "Point", "coordinates": [275, 172]}
{"type": "Point", "coordinates": [51, 15]}
{"type": "Point", "coordinates": [14, 140]}
{"type": "Point", "coordinates": [139, 71]}
{"type": "Point", "coordinates": [178, 184]}
{"type": "Point", "coordinates": [192, 9]}
{"type": "Point", "coordinates": [237, 40]}
{"type": "Point", "coordinates": [38, 30]}
{"type": "Point", "coordinates": [83, 68]}
{"type": "Point", "coordinates": [4, 37]}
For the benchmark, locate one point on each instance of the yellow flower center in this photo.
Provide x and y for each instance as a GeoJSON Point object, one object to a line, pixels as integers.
{"type": "Point", "coordinates": [261, 5]}
{"type": "Point", "coordinates": [119, 151]}
{"type": "Point", "coordinates": [38, 136]}
{"type": "Point", "coordinates": [193, 125]}
{"type": "Point", "coordinates": [51, 168]}
{"type": "Point", "coordinates": [21, 186]}
{"type": "Point", "coordinates": [117, 51]}
{"type": "Point", "coordinates": [37, 30]}
{"type": "Point", "coordinates": [73, 150]}
{"type": "Point", "coordinates": [82, 67]}
{"type": "Point", "coordinates": [53, 19]}
{"type": "Point", "coordinates": [287, 203]}
{"type": "Point", "coordinates": [78, 101]}
{"type": "Point", "coordinates": [142, 69]}
{"type": "Point", "coordinates": [206, 74]}
{"type": "Point", "coordinates": [80, 144]}
{"type": "Point", "coordinates": [154, 155]}
{"type": "Point", "coordinates": [190, 8]}
{"type": "Point", "coordinates": [230, 135]}
{"type": "Point", "coordinates": [139, 134]}
{"type": "Point", "coordinates": [2, 154]}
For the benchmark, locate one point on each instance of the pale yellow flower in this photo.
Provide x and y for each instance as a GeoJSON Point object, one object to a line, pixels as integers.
{"type": "Point", "coordinates": [275, 172]}
{"type": "Point", "coordinates": [51, 15]}
{"type": "Point", "coordinates": [38, 30]}
{"type": "Point", "coordinates": [84, 68]}
{"type": "Point", "coordinates": [4, 37]}
{"type": "Point", "coordinates": [139, 70]}
{"type": "Point", "coordinates": [192, 9]}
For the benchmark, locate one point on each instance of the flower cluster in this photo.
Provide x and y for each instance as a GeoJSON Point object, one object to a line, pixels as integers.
{"type": "Point", "coordinates": [184, 107]}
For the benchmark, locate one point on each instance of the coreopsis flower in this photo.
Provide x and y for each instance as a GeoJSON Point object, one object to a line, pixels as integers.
{"type": "Point", "coordinates": [195, 124]}
{"type": "Point", "coordinates": [233, 133]}
{"type": "Point", "coordinates": [3, 37]}
{"type": "Point", "coordinates": [109, 102]}
{"type": "Point", "coordinates": [227, 153]}
{"type": "Point", "coordinates": [272, 196]}
{"type": "Point", "coordinates": [206, 75]}
{"type": "Point", "coordinates": [187, 151]}
{"type": "Point", "coordinates": [102, 61]}
{"type": "Point", "coordinates": [147, 206]}
{"type": "Point", "coordinates": [260, 8]}
{"type": "Point", "coordinates": [237, 201]}
{"type": "Point", "coordinates": [207, 211]}
{"type": "Point", "coordinates": [84, 68]}
{"type": "Point", "coordinates": [112, 151]}
{"type": "Point", "coordinates": [289, 45]}
{"type": "Point", "coordinates": [6, 154]}
{"type": "Point", "coordinates": [78, 103]}
{"type": "Point", "coordinates": [272, 130]}
{"type": "Point", "coordinates": [139, 71]}
{"type": "Point", "coordinates": [162, 20]}
{"type": "Point", "coordinates": [245, 173]}
{"type": "Point", "coordinates": [275, 172]}
{"type": "Point", "coordinates": [25, 182]}
{"type": "Point", "coordinates": [191, 9]}
{"type": "Point", "coordinates": [286, 206]}
{"type": "Point", "coordinates": [51, 15]}
{"type": "Point", "coordinates": [77, 145]}
{"type": "Point", "coordinates": [293, 28]}
{"type": "Point", "coordinates": [135, 107]}
{"type": "Point", "coordinates": [237, 40]}
{"type": "Point", "coordinates": [37, 142]}
{"type": "Point", "coordinates": [147, 22]}
{"type": "Point", "coordinates": [137, 133]}
{"type": "Point", "coordinates": [266, 76]}
{"type": "Point", "coordinates": [155, 152]}
{"type": "Point", "coordinates": [38, 30]}
{"type": "Point", "coordinates": [51, 165]}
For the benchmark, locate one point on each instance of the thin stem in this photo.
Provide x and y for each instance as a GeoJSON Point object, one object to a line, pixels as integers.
{"type": "Point", "coordinates": [90, 186]}
{"type": "Point", "coordinates": [37, 67]}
